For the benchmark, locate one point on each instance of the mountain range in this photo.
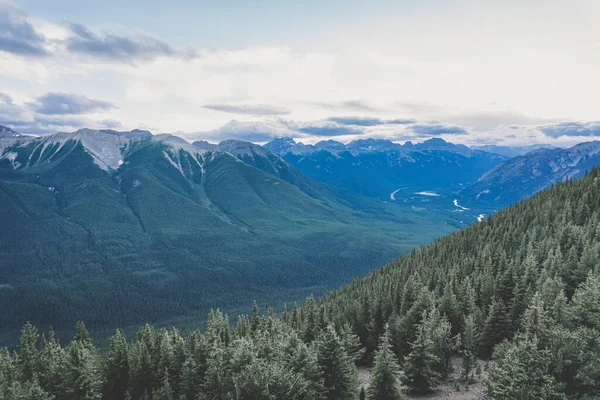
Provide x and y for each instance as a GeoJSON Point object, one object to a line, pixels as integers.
{"type": "Point", "coordinates": [525, 175]}
{"type": "Point", "coordinates": [124, 228]}
{"type": "Point", "coordinates": [129, 227]}
{"type": "Point", "coordinates": [437, 175]}
{"type": "Point", "coordinates": [386, 170]}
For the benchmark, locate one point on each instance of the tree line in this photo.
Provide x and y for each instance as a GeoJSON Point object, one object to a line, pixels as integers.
{"type": "Point", "coordinates": [521, 288]}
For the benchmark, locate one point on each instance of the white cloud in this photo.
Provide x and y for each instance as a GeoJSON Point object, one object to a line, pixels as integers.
{"type": "Point", "coordinates": [498, 84]}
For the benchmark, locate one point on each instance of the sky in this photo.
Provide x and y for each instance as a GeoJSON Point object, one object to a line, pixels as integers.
{"type": "Point", "coordinates": [474, 72]}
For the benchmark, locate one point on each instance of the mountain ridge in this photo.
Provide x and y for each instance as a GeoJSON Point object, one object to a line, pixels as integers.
{"type": "Point", "coordinates": [527, 174]}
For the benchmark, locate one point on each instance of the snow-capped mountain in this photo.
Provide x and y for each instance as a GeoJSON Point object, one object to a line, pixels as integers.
{"type": "Point", "coordinates": [511, 151]}
{"type": "Point", "coordinates": [377, 167]}
{"type": "Point", "coordinates": [525, 175]}
{"type": "Point", "coordinates": [6, 132]}
{"type": "Point", "coordinates": [158, 223]}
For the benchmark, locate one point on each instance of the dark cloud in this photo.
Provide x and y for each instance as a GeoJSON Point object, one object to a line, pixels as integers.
{"type": "Point", "coordinates": [401, 121]}
{"type": "Point", "coordinates": [358, 121]}
{"type": "Point", "coordinates": [248, 131]}
{"type": "Point", "coordinates": [67, 104]}
{"type": "Point", "coordinates": [571, 129]}
{"type": "Point", "coordinates": [368, 121]}
{"type": "Point", "coordinates": [114, 47]}
{"type": "Point", "coordinates": [46, 124]}
{"type": "Point", "coordinates": [4, 98]}
{"type": "Point", "coordinates": [17, 35]}
{"type": "Point", "coordinates": [10, 112]}
{"type": "Point", "coordinates": [326, 128]}
{"type": "Point", "coordinates": [256, 109]}
{"type": "Point", "coordinates": [437, 129]}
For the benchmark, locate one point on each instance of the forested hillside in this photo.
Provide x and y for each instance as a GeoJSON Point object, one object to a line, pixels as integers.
{"type": "Point", "coordinates": [124, 228]}
{"type": "Point", "coordinates": [522, 287]}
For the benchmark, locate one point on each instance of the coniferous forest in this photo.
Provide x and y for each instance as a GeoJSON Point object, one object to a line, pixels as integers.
{"type": "Point", "coordinates": [521, 288]}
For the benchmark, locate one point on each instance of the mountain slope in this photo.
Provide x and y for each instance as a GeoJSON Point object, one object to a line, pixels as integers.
{"type": "Point", "coordinates": [423, 175]}
{"type": "Point", "coordinates": [6, 132]}
{"type": "Point", "coordinates": [511, 151]}
{"type": "Point", "coordinates": [527, 273]}
{"type": "Point", "coordinates": [126, 227]}
{"type": "Point", "coordinates": [525, 175]}
{"type": "Point", "coordinates": [524, 285]}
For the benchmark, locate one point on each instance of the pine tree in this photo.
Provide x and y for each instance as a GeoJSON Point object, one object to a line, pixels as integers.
{"type": "Point", "coordinates": [164, 391]}
{"type": "Point", "coordinates": [83, 377]}
{"type": "Point", "coordinates": [27, 358]}
{"type": "Point", "coordinates": [387, 377]}
{"type": "Point", "coordinates": [586, 303]}
{"type": "Point", "coordinates": [51, 362]}
{"type": "Point", "coordinates": [469, 349]}
{"type": "Point", "coordinates": [496, 329]}
{"type": "Point", "coordinates": [117, 367]}
{"type": "Point", "coordinates": [520, 371]}
{"type": "Point", "coordinates": [419, 366]}
{"type": "Point", "coordinates": [337, 367]}
{"type": "Point", "coordinates": [535, 319]}
{"type": "Point", "coordinates": [255, 317]}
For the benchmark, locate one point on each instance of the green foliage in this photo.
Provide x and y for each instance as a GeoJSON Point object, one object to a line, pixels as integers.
{"type": "Point", "coordinates": [420, 365]}
{"type": "Point", "coordinates": [340, 377]}
{"type": "Point", "coordinates": [523, 286]}
{"type": "Point", "coordinates": [387, 376]}
{"type": "Point", "coordinates": [521, 371]}
{"type": "Point", "coordinates": [170, 234]}
{"type": "Point", "coordinates": [469, 349]}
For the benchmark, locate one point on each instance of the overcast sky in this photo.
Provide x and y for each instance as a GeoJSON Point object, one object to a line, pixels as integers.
{"type": "Point", "coordinates": [507, 72]}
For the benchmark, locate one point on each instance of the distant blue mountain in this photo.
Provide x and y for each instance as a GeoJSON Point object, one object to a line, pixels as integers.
{"type": "Point", "coordinates": [527, 174]}
{"type": "Point", "coordinates": [377, 168]}
{"type": "Point", "coordinates": [511, 151]}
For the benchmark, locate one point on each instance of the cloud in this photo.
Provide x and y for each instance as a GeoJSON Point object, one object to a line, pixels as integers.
{"type": "Point", "coordinates": [571, 129]}
{"type": "Point", "coordinates": [67, 103]}
{"type": "Point", "coordinates": [248, 131]}
{"type": "Point", "coordinates": [256, 109]}
{"type": "Point", "coordinates": [490, 119]}
{"type": "Point", "coordinates": [17, 35]}
{"type": "Point", "coordinates": [368, 121]}
{"type": "Point", "coordinates": [267, 130]}
{"type": "Point", "coordinates": [437, 129]}
{"type": "Point", "coordinates": [114, 47]}
{"type": "Point", "coordinates": [348, 105]}
{"type": "Point", "coordinates": [324, 128]}
{"type": "Point", "coordinates": [4, 98]}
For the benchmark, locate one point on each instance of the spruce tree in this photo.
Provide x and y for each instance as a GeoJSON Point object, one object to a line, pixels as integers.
{"type": "Point", "coordinates": [338, 371]}
{"type": "Point", "coordinates": [469, 349]}
{"type": "Point", "coordinates": [164, 391]}
{"type": "Point", "coordinates": [117, 367]}
{"type": "Point", "coordinates": [83, 375]}
{"type": "Point", "coordinates": [27, 356]}
{"type": "Point", "coordinates": [521, 371]}
{"type": "Point", "coordinates": [387, 377]}
{"type": "Point", "coordinates": [419, 367]}
{"type": "Point", "coordinates": [497, 328]}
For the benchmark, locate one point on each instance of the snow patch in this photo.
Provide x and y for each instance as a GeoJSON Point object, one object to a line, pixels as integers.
{"type": "Point", "coordinates": [459, 206]}
{"type": "Point", "coordinates": [12, 157]}
{"type": "Point", "coordinates": [430, 194]}
{"type": "Point", "coordinates": [486, 191]}
{"type": "Point", "coordinates": [177, 164]}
